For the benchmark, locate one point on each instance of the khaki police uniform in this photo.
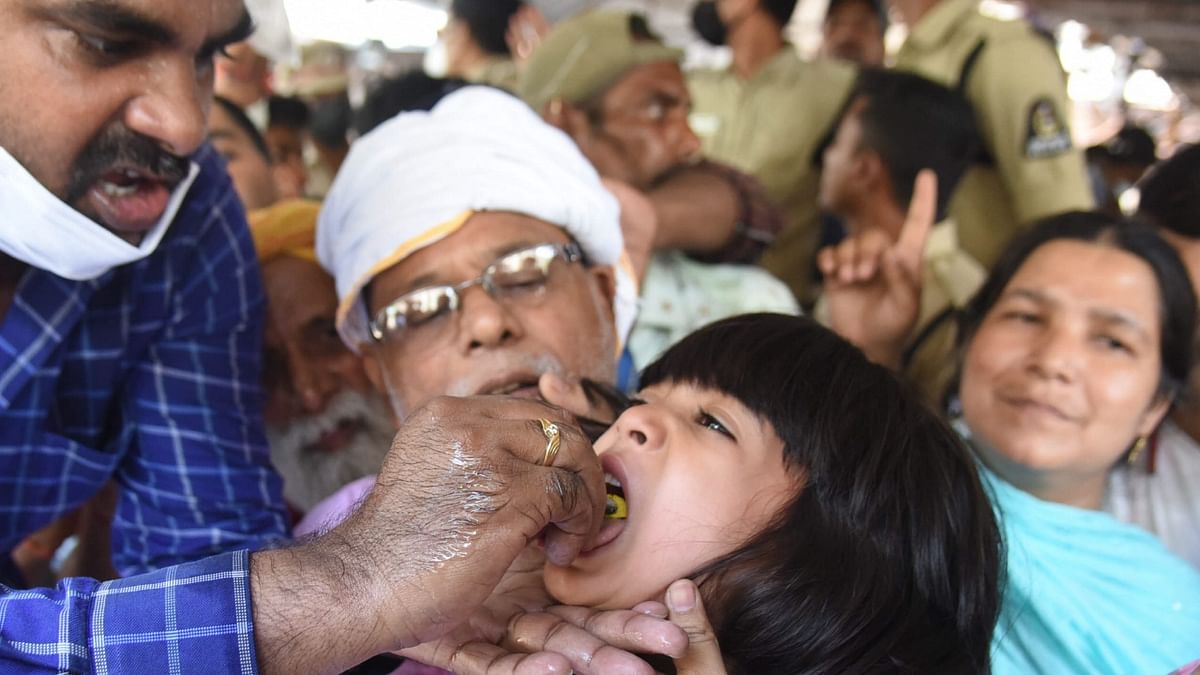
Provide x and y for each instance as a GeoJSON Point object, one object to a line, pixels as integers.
{"type": "Point", "coordinates": [496, 72]}
{"type": "Point", "coordinates": [773, 126]}
{"type": "Point", "coordinates": [1015, 83]}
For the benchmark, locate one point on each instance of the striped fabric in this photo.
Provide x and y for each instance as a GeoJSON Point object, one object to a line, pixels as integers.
{"type": "Point", "coordinates": [191, 618]}
{"type": "Point", "coordinates": [148, 375]}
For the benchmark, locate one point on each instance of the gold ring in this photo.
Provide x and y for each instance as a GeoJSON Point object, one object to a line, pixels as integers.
{"type": "Point", "coordinates": [553, 441]}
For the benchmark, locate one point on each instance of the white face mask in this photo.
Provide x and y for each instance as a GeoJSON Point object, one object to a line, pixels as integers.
{"type": "Point", "coordinates": [437, 60]}
{"type": "Point", "coordinates": [41, 230]}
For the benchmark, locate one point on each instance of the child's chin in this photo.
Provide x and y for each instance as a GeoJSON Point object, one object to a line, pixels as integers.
{"type": "Point", "coordinates": [571, 586]}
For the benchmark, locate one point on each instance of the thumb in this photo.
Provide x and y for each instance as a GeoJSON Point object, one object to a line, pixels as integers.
{"type": "Point", "coordinates": [686, 610]}
{"type": "Point", "coordinates": [566, 393]}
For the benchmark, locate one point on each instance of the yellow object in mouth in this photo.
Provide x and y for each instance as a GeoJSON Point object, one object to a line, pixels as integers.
{"type": "Point", "coordinates": [616, 508]}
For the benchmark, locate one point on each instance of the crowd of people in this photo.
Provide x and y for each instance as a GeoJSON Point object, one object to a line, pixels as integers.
{"type": "Point", "coordinates": [559, 357]}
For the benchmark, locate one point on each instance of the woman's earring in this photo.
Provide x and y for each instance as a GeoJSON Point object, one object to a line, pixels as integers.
{"type": "Point", "coordinates": [1138, 446]}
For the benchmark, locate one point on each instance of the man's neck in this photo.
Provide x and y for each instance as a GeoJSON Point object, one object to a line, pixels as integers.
{"type": "Point", "coordinates": [755, 41]}
{"type": "Point", "coordinates": [470, 62]}
{"type": "Point", "coordinates": [912, 11]}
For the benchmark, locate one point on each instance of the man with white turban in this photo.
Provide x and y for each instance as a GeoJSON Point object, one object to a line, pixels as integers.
{"type": "Point", "coordinates": [475, 251]}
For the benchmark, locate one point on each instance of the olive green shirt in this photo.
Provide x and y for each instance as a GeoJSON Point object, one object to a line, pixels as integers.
{"type": "Point", "coordinates": [1018, 91]}
{"type": "Point", "coordinates": [772, 126]}
{"type": "Point", "coordinates": [496, 72]}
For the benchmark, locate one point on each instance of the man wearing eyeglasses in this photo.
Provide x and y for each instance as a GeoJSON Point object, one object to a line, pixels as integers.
{"type": "Point", "coordinates": [128, 349]}
{"type": "Point", "coordinates": [608, 82]}
{"type": "Point", "coordinates": [473, 259]}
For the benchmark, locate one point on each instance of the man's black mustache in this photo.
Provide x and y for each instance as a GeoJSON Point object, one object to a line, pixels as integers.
{"type": "Point", "coordinates": [118, 147]}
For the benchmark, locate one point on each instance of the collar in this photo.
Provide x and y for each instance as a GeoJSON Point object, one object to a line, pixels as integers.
{"type": "Point", "coordinates": [935, 28]}
{"type": "Point", "coordinates": [787, 59]}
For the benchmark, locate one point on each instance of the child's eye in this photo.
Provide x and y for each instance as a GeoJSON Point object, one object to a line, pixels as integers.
{"type": "Point", "coordinates": [709, 422]}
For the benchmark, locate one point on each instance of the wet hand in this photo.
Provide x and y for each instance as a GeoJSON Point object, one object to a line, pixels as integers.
{"type": "Point", "coordinates": [461, 494]}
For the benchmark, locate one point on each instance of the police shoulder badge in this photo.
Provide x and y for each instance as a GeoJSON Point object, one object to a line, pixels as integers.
{"type": "Point", "coordinates": [1048, 134]}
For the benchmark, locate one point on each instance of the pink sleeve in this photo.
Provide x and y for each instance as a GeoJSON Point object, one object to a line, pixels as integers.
{"type": "Point", "coordinates": [335, 508]}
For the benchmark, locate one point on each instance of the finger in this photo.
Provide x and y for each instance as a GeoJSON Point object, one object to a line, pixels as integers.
{"type": "Point", "coordinates": [903, 284]}
{"type": "Point", "coordinates": [922, 211]}
{"type": "Point", "coordinates": [847, 260]}
{"type": "Point", "coordinates": [867, 264]}
{"type": "Point", "coordinates": [565, 393]}
{"type": "Point", "coordinates": [574, 484]}
{"type": "Point", "coordinates": [827, 261]}
{"type": "Point", "coordinates": [587, 653]}
{"type": "Point", "coordinates": [687, 611]}
{"type": "Point", "coordinates": [628, 629]}
{"type": "Point", "coordinates": [568, 496]}
{"type": "Point", "coordinates": [652, 608]}
{"type": "Point", "coordinates": [515, 408]}
{"type": "Point", "coordinates": [481, 658]}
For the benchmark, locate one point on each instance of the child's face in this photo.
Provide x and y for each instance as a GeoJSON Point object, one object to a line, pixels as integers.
{"type": "Point", "coordinates": [701, 474]}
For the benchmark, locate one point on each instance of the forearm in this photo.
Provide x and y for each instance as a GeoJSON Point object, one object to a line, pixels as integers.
{"type": "Point", "coordinates": [300, 604]}
{"type": "Point", "coordinates": [698, 212]}
{"type": "Point", "coordinates": [315, 612]}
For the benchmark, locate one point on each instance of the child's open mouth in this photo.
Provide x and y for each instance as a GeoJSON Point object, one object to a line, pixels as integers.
{"type": "Point", "coordinates": [616, 512]}
{"type": "Point", "coordinates": [616, 507]}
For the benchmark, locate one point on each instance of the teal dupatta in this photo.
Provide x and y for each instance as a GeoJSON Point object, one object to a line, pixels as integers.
{"type": "Point", "coordinates": [1086, 593]}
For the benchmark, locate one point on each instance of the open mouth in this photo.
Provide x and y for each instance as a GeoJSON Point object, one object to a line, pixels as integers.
{"type": "Point", "coordinates": [524, 386]}
{"type": "Point", "coordinates": [616, 514]}
{"type": "Point", "coordinates": [129, 200]}
{"type": "Point", "coordinates": [616, 508]}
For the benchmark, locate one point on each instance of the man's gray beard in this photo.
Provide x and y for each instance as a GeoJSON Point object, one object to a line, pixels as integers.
{"type": "Point", "coordinates": [311, 474]}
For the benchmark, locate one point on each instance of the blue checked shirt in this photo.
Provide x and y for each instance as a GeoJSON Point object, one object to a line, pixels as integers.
{"type": "Point", "coordinates": [191, 618]}
{"type": "Point", "coordinates": [148, 375]}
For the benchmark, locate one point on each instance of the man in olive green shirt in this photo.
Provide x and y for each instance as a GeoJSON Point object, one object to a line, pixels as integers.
{"type": "Point", "coordinates": [769, 115]}
{"type": "Point", "coordinates": [475, 41]}
{"type": "Point", "coordinates": [608, 82]}
{"type": "Point", "coordinates": [1015, 83]}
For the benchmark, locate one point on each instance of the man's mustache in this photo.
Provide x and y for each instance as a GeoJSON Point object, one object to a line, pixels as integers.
{"type": "Point", "coordinates": [117, 147]}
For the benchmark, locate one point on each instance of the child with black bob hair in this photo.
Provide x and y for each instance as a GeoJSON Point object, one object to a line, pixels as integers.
{"type": "Point", "coordinates": [833, 523]}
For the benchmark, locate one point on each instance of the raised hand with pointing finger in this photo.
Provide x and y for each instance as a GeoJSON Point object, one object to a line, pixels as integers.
{"type": "Point", "coordinates": [873, 284]}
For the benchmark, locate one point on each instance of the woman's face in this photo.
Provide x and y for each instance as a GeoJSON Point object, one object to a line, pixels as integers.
{"type": "Point", "coordinates": [700, 473]}
{"type": "Point", "coordinates": [1060, 378]}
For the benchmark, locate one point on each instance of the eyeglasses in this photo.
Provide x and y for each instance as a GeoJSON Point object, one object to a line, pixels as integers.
{"type": "Point", "coordinates": [519, 276]}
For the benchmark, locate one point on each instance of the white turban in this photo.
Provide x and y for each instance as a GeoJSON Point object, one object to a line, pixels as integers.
{"type": "Point", "coordinates": [418, 177]}
{"type": "Point", "coordinates": [272, 35]}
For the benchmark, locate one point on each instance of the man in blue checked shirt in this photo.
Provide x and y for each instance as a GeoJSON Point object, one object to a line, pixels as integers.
{"type": "Point", "coordinates": [129, 346]}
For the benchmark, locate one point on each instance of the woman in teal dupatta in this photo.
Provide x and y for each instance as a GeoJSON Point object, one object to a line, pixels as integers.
{"type": "Point", "coordinates": [1073, 352]}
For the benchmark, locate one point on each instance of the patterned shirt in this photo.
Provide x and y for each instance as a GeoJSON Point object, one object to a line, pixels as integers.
{"type": "Point", "coordinates": [148, 375]}
{"type": "Point", "coordinates": [191, 618]}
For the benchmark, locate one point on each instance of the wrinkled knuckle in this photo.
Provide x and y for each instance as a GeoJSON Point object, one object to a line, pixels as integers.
{"type": "Point", "coordinates": [566, 487]}
{"type": "Point", "coordinates": [442, 406]}
{"type": "Point", "coordinates": [524, 634]}
{"type": "Point", "coordinates": [558, 631]}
